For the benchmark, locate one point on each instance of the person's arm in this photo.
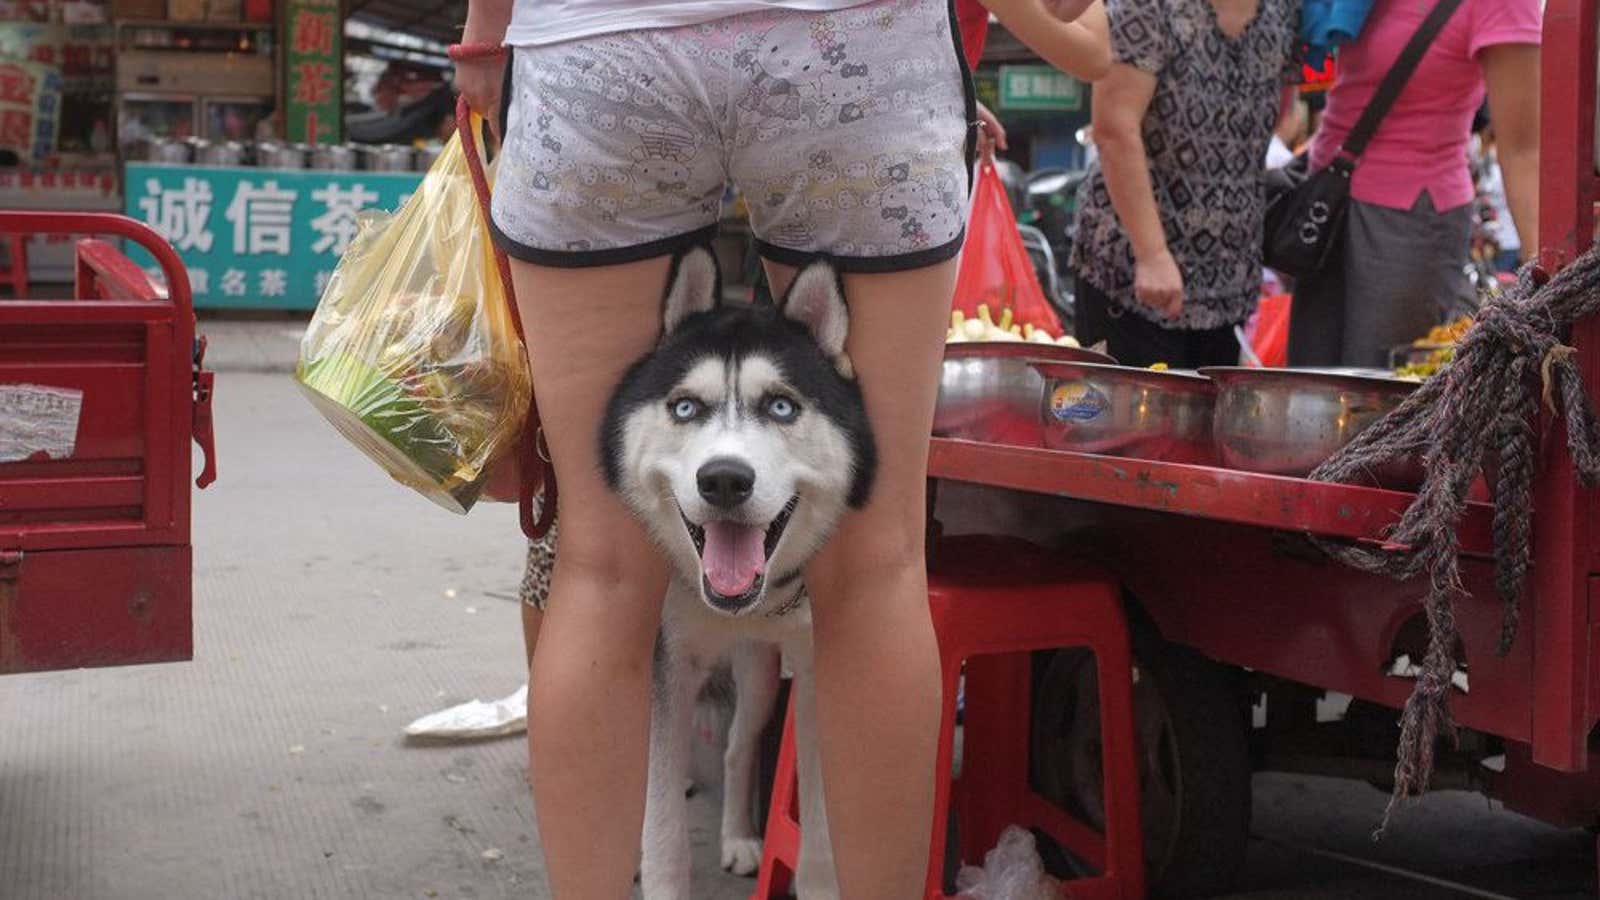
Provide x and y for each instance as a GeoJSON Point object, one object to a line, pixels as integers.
{"type": "Point", "coordinates": [1068, 10]}
{"type": "Point", "coordinates": [1511, 72]}
{"type": "Point", "coordinates": [479, 80]}
{"type": "Point", "coordinates": [1120, 101]}
{"type": "Point", "coordinates": [1286, 104]}
{"type": "Point", "coordinates": [1081, 48]}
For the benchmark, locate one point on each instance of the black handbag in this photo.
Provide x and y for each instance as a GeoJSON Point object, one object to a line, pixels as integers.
{"type": "Point", "coordinates": [1306, 210]}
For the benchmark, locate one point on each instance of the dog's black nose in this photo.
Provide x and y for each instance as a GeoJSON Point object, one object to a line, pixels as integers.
{"type": "Point", "coordinates": [726, 482]}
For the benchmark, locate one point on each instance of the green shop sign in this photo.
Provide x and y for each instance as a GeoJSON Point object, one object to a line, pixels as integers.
{"type": "Point", "coordinates": [257, 238]}
{"type": "Point", "coordinates": [313, 72]}
{"type": "Point", "coordinates": [1039, 88]}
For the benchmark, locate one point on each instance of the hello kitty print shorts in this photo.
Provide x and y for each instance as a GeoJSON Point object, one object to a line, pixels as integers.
{"type": "Point", "coordinates": [844, 132]}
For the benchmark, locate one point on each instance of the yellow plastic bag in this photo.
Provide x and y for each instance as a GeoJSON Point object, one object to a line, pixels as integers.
{"type": "Point", "coordinates": [412, 353]}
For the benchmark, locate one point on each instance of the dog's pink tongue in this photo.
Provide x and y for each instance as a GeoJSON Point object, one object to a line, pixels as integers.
{"type": "Point", "coordinates": [733, 556]}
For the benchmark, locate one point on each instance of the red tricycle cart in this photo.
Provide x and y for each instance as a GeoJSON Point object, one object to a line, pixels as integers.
{"type": "Point", "coordinates": [101, 396]}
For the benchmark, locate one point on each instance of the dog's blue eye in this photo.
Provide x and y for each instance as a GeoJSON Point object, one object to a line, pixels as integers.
{"type": "Point", "coordinates": [685, 409]}
{"type": "Point", "coordinates": [782, 408]}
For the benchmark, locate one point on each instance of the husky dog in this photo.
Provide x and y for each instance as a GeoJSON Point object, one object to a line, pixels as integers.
{"type": "Point", "coordinates": [739, 441]}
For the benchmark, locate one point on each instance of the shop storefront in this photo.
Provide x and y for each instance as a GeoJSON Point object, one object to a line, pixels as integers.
{"type": "Point", "coordinates": [220, 123]}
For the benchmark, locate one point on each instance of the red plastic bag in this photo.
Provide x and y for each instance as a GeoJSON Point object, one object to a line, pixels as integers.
{"type": "Point", "coordinates": [973, 19]}
{"type": "Point", "coordinates": [1268, 331]}
{"type": "Point", "coordinates": [995, 268]}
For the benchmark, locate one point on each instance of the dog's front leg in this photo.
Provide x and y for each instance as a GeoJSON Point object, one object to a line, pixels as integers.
{"type": "Point", "coordinates": [664, 871]}
{"type": "Point", "coordinates": [816, 878]}
{"type": "Point", "coordinates": [755, 675]}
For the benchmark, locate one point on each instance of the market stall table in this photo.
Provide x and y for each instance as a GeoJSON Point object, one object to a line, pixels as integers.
{"type": "Point", "coordinates": [1229, 567]}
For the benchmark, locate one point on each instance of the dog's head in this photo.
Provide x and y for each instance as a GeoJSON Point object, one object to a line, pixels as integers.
{"type": "Point", "coordinates": [741, 438]}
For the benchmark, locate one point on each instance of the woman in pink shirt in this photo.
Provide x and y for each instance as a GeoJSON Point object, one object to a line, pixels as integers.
{"type": "Point", "coordinates": [1409, 227]}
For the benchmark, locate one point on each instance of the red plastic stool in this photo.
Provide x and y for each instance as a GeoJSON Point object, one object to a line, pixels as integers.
{"type": "Point", "coordinates": [15, 272]}
{"type": "Point", "coordinates": [993, 603]}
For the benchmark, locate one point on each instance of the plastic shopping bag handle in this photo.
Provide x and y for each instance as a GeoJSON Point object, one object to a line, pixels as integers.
{"type": "Point", "coordinates": [531, 448]}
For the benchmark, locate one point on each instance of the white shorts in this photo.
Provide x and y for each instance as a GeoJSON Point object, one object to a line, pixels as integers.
{"type": "Point", "coordinates": [847, 132]}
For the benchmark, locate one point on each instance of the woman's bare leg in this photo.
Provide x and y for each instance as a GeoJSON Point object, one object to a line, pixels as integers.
{"type": "Point", "coordinates": [532, 620]}
{"type": "Point", "coordinates": [589, 694]}
{"type": "Point", "coordinates": [870, 598]}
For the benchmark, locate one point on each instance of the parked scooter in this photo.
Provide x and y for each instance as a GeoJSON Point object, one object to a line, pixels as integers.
{"type": "Point", "coordinates": [1050, 208]}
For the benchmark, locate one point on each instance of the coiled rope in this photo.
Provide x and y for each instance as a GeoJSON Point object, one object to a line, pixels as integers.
{"type": "Point", "coordinates": [1477, 412]}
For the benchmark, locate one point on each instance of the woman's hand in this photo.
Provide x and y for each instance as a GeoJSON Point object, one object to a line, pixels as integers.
{"type": "Point", "coordinates": [479, 79]}
{"type": "Point", "coordinates": [504, 484]}
{"type": "Point", "coordinates": [1158, 283]}
{"type": "Point", "coordinates": [991, 134]}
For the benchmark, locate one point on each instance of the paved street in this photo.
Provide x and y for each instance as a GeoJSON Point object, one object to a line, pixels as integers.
{"type": "Point", "coordinates": [332, 607]}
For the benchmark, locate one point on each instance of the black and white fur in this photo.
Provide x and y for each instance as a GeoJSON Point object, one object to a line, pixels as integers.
{"type": "Point", "coordinates": [762, 398]}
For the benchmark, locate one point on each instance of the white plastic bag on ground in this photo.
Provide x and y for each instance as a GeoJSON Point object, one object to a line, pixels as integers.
{"type": "Point", "coordinates": [475, 719]}
{"type": "Point", "coordinates": [1011, 871]}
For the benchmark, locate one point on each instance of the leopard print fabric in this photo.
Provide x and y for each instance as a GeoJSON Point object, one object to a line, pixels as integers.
{"type": "Point", "coordinates": [535, 590]}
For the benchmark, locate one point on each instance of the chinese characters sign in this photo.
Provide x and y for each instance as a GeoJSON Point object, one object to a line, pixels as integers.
{"type": "Point", "coordinates": [313, 71]}
{"type": "Point", "coordinates": [1039, 88]}
{"type": "Point", "coordinates": [30, 108]}
{"type": "Point", "coordinates": [85, 54]}
{"type": "Point", "coordinates": [260, 238]}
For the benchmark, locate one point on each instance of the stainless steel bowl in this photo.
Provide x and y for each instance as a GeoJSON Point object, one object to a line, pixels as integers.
{"type": "Point", "coordinates": [389, 158]}
{"type": "Point", "coordinates": [227, 153]}
{"type": "Point", "coordinates": [1125, 411]}
{"type": "Point", "coordinates": [1288, 421]}
{"type": "Point", "coordinates": [171, 150]}
{"type": "Point", "coordinates": [280, 156]}
{"type": "Point", "coordinates": [333, 158]}
{"type": "Point", "coordinates": [989, 392]}
{"type": "Point", "coordinates": [426, 156]}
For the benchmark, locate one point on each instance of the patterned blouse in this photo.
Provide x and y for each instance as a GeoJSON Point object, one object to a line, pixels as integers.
{"type": "Point", "coordinates": [1206, 133]}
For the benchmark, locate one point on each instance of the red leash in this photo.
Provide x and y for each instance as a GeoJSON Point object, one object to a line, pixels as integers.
{"type": "Point", "coordinates": [532, 451]}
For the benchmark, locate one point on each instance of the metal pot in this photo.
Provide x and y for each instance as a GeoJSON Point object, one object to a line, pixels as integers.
{"type": "Point", "coordinates": [1126, 411]}
{"type": "Point", "coordinates": [989, 392]}
{"type": "Point", "coordinates": [426, 156]}
{"type": "Point", "coordinates": [228, 153]}
{"type": "Point", "coordinates": [171, 150]}
{"type": "Point", "coordinates": [280, 156]}
{"type": "Point", "coordinates": [389, 158]}
{"type": "Point", "coordinates": [333, 157]}
{"type": "Point", "coordinates": [1288, 421]}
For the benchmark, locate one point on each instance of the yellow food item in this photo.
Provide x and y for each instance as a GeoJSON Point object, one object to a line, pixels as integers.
{"type": "Point", "coordinates": [1158, 367]}
{"type": "Point", "coordinates": [1444, 335]}
{"type": "Point", "coordinates": [1429, 365]}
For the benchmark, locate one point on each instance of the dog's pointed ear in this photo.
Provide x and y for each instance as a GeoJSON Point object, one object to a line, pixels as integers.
{"type": "Point", "coordinates": [693, 286]}
{"type": "Point", "coordinates": [816, 300]}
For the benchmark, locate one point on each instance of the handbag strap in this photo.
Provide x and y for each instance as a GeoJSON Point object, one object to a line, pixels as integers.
{"type": "Point", "coordinates": [1355, 143]}
{"type": "Point", "coordinates": [537, 470]}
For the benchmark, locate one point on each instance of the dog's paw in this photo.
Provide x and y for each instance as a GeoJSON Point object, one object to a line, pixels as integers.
{"type": "Point", "coordinates": [741, 855]}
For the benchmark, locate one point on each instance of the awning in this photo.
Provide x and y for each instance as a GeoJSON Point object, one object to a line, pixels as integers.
{"type": "Point", "coordinates": [431, 20]}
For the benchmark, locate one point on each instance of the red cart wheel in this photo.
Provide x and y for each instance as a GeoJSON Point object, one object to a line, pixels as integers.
{"type": "Point", "coordinates": [1194, 767]}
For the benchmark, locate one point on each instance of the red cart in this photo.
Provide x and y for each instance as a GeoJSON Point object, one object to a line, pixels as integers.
{"type": "Point", "coordinates": [99, 399]}
{"type": "Point", "coordinates": [1229, 597]}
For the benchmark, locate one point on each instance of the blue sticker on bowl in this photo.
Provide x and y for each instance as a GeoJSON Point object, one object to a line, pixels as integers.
{"type": "Point", "coordinates": [1077, 401]}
